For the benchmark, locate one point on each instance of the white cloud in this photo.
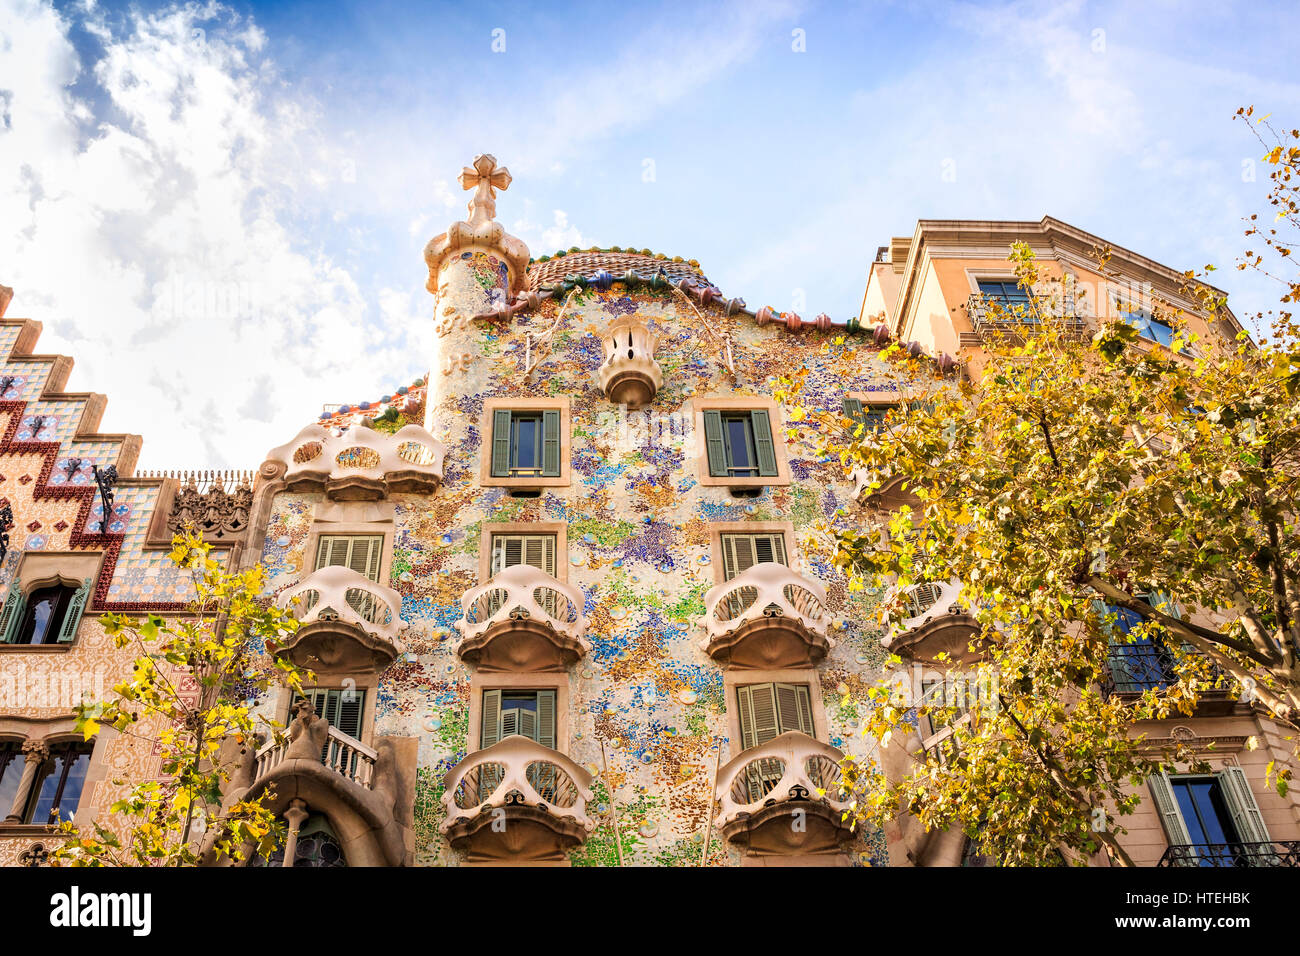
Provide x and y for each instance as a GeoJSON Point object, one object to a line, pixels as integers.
{"type": "Point", "coordinates": [157, 248]}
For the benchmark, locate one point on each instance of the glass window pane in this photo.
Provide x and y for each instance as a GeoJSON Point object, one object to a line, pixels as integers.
{"type": "Point", "coordinates": [11, 772]}
{"type": "Point", "coordinates": [525, 446]}
{"type": "Point", "coordinates": [740, 451]}
{"type": "Point", "coordinates": [65, 769]}
{"type": "Point", "coordinates": [1204, 812]}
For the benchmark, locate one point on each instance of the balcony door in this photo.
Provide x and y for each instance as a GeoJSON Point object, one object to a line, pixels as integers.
{"type": "Point", "coordinates": [1212, 819]}
{"type": "Point", "coordinates": [343, 710]}
{"type": "Point", "coordinates": [766, 712]}
{"type": "Point", "coordinates": [526, 713]}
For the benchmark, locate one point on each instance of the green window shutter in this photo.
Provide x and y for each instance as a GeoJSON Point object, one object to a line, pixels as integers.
{"type": "Point", "coordinates": [764, 447]}
{"type": "Point", "coordinates": [501, 443]}
{"type": "Point", "coordinates": [853, 409]}
{"type": "Point", "coordinates": [551, 443]}
{"type": "Point", "coordinates": [794, 708]}
{"type": "Point", "coordinates": [716, 444]}
{"type": "Point", "coordinates": [1241, 804]}
{"type": "Point", "coordinates": [740, 552]}
{"type": "Point", "coordinates": [362, 553]}
{"type": "Point", "coordinates": [546, 718]}
{"type": "Point", "coordinates": [1162, 792]}
{"type": "Point", "coordinates": [758, 717]}
{"type": "Point", "coordinates": [349, 711]}
{"type": "Point", "coordinates": [11, 617]}
{"type": "Point", "coordinates": [72, 617]}
{"type": "Point", "coordinates": [490, 732]}
{"type": "Point", "coordinates": [537, 550]}
{"type": "Point", "coordinates": [525, 723]}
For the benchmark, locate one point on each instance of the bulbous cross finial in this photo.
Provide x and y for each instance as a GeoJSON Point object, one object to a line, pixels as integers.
{"type": "Point", "coordinates": [485, 177]}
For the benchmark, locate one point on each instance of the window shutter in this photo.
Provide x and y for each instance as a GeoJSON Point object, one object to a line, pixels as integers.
{"type": "Point", "coordinates": [11, 617]}
{"type": "Point", "coordinates": [794, 708]}
{"type": "Point", "coordinates": [501, 443]}
{"type": "Point", "coordinates": [853, 409]}
{"type": "Point", "coordinates": [364, 556]}
{"type": "Point", "coordinates": [758, 720]}
{"type": "Point", "coordinates": [716, 444]}
{"type": "Point", "coordinates": [551, 443]}
{"type": "Point", "coordinates": [323, 552]}
{"type": "Point", "coordinates": [526, 724]}
{"type": "Point", "coordinates": [1162, 792]}
{"type": "Point", "coordinates": [350, 708]}
{"type": "Point", "coordinates": [1241, 804]}
{"type": "Point", "coordinates": [72, 617]}
{"type": "Point", "coordinates": [490, 731]}
{"type": "Point", "coordinates": [509, 722]}
{"type": "Point", "coordinates": [546, 718]}
{"type": "Point", "coordinates": [763, 445]}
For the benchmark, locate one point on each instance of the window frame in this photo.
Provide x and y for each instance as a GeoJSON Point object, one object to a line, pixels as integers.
{"type": "Point", "coordinates": [366, 685]}
{"type": "Point", "coordinates": [36, 783]}
{"type": "Point", "coordinates": [733, 679]}
{"type": "Point", "coordinates": [352, 519]}
{"type": "Point", "coordinates": [557, 528]}
{"type": "Point", "coordinates": [557, 681]}
{"type": "Point", "coordinates": [491, 406]}
{"type": "Point", "coordinates": [718, 529]}
{"type": "Point", "coordinates": [736, 404]}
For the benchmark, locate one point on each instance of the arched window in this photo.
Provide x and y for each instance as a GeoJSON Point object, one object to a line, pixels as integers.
{"type": "Point", "coordinates": [318, 846]}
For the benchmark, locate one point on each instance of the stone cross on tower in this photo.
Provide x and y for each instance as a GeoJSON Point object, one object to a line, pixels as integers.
{"type": "Point", "coordinates": [485, 177]}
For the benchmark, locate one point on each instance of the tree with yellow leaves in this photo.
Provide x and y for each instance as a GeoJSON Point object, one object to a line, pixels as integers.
{"type": "Point", "coordinates": [191, 695]}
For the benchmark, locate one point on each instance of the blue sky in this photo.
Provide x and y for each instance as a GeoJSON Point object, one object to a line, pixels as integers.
{"type": "Point", "coordinates": [219, 209]}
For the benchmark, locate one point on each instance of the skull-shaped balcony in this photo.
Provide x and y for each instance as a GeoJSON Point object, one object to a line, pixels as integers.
{"type": "Point", "coordinates": [767, 617]}
{"type": "Point", "coordinates": [630, 375]}
{"type": "Point", "coordinates": [361, 464]}
{"type": "Point", "coordinates": [522, 620]}
{"type": "Point", "coordinates": [347, 623]}
{"type": "Point", "coordinates": [516, 801]}
{"type": "Point", "coordinates": [783, 798]}
{"type": "Point", "coordinates": [934, 623]}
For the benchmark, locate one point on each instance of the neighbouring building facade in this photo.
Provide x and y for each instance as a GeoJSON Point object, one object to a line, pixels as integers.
{"type": "Point", "coordinates": [566, 598]}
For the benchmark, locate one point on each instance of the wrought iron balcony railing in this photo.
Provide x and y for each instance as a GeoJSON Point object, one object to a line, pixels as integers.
{"type": "Point", "coordinates": [1148, 665]}
{"type": "Point", "coordinates": [343, 754]}
{"type": "Point", "coordinates": [1232, 854]}
{"type": "Point", "coordinates": [1019, 317]}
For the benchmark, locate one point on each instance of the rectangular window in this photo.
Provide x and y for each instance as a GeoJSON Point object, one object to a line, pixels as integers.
{"type": "Point", "coordinates": [1149, 327]}
{"type": "Point", "coordinates": [1007, 292]}
{"type": "Point", "coordinates": [740, 443]}
{"type": "Point", "coordinates": [360, 552]}
{"type": "Point", "coordinates": [1212, 819]}
{"type": "Point", "coordinates": [740, 552]}
{"type": "Point", "coordinates": [537, 550]}
{"type": "Point", "coordinates": [528, 713]}
{"type": "Point", "coordinates": [766, 712]}
{"type": "Point", "coordinates": [56, 791]}
{"type": "Point", "coordinates": [526, 443]}
{"type": "Point", "coordinates": [869, 414]}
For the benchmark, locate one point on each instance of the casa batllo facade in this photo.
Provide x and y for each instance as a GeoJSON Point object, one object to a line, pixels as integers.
{"type": "Point", "coordinates": [563, 598]}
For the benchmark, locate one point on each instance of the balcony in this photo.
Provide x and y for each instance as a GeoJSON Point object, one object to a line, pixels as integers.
{"type": "Point", "coordinates": [522, 620]}
{"type": "Point", "coordinates": [517, 802]}
{"type": "Point", "coordinates": [348, 623]}
{"type": "Point", "coordinates": [983, 320]}
{"type": "Point", "coordinates": [1232, 854]}
{"type": "Point", "coordinates": [343, 755]}
{"type": "Point", "coordinates": [763, 789]}
{"type": "Point", "coordinates": [629, 374]}
{"type": "Point", "coordinates": [767, 617]}
{"type": "Point", "coordinates": [934, 623]}
{"type": "Point", "coordinates": [361, 464]}
{"type": "Point", "coordinates": [1132, 669]}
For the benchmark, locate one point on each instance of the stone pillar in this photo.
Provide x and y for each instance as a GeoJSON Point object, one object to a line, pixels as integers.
{"type": "Point", "coordinates": [296, 815]}
{"type": "Point", "coordinates": [474, 268]}
{"type": "Point", "coordinates": [36, 753]}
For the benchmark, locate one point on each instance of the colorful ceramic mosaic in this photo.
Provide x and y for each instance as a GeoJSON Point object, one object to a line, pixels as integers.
{"type": "Point", "coordinates": [638, 547]}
